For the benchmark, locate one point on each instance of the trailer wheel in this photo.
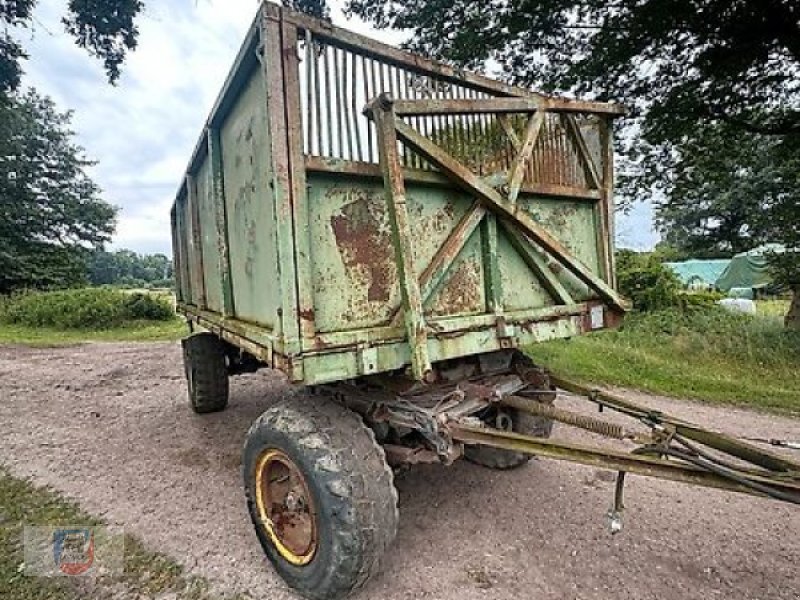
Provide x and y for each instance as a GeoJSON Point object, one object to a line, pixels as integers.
{"type": "Point", "coordinates": [517, 421]}
{"type": "Point", "coordinates": [205, 363]}
{"type": "Point", "coordinates": [320, 494]}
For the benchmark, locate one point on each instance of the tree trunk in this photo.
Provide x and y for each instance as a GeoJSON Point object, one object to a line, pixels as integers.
{"type": "Point", "coordinates": [792, 319]}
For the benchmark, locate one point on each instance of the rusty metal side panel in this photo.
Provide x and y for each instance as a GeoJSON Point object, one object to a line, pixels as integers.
{"type": "Point", "coordinates": [354, 276]}
{"type": "Point", "coordinates": [207, 221]}
{"type": "Point", "coordinates": [250, 207]}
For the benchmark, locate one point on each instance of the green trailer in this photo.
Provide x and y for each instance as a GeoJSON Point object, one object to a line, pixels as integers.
{"type": "Point", "coordinates": [389, 232]}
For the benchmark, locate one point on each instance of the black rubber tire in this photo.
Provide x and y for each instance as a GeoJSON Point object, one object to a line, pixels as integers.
{"type": "Point", "coordinates": [206, 368]}
{"type": "Point", "coordinates": [351, 485]}
{"type": "Point", "coordinates": [521, 422]}
{"type": "Point", "coordinates": [494, 458]}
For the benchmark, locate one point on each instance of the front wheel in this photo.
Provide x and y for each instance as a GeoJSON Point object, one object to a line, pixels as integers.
{"type": "Point", "coordinates": [320, 494]}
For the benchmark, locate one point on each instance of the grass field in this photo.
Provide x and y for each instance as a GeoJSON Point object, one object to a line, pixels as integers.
{"type": "Point", "coordinates": [707, 355]}
{"type": "Point", "coordinates": [143, 331]}
{"type": "Point", "coordinates": [146, 574]}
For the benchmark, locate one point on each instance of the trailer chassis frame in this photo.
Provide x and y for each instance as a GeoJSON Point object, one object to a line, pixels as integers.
{"type": "Point", "coordinates": [663, 446]}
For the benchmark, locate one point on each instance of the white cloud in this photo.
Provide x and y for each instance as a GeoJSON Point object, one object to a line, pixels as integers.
{"type": "Point", "coordinates": [143, 130]}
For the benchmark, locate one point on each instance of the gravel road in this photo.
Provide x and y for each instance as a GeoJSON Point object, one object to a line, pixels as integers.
{"type": "Point", "coordinates": [109, 425]}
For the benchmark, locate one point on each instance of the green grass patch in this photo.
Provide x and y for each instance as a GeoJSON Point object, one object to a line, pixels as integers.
{"type": "Point", "coordinates": [773, 308]}
{"type": "Point", "coordinates": [705, 354]}
{"type": "Point", "coordinates": [135, 331]}
{"type": "Point", "coordinates": [146, 574]}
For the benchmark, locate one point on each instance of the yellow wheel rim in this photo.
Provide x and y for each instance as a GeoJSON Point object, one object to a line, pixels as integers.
{"type": "Point", "coordinates": [285, 507]}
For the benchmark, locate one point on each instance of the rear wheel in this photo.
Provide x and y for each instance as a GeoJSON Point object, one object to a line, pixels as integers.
{"type": "Point", "coordinates": [320, 494]}
{"type": "Point", "coordinates": [206, 367]}
{"type": "Point", "coordinates": [510, 419]}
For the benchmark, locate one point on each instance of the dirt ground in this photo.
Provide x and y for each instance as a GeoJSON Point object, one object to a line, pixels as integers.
{"type": "Point", "coordinates": [109, 425]}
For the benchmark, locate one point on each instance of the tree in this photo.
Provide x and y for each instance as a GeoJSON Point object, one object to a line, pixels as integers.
{"type": "Point", "coordinates": [125, 267]}
{"type": "Point", "coordinates": [106, 29]}
{"type": "Point", "coordinates": [719, 203]}
{"type": "Point", "coordinates": [646, 281]}
{"type": "Point", "coordinates": [682, 60]}
{"type": "Point", "coordinates": [712, 76]}
{"type": "Point", "coordinates": [50, 210]}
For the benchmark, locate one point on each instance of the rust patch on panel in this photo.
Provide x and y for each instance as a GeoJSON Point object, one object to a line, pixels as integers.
{"type": "Point", "coordinates": [364, 243]}
{"type": "Point", "coordinates": [462, 291]}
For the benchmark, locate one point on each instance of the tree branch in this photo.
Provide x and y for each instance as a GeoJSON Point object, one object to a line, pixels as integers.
{"type": "Point", "coordinates": [788, 125]}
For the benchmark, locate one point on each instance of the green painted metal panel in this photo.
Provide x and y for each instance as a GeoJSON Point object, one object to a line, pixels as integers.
{"type": "Point", "coordinates": [208, 237]}
{"type": "Point", "coordinates": [521, 289]}
{"type": "Point", "coordinates": [574, 223]}
{"type": "Point", "coordinates": [193, 251]}
{"type": "Point", "coordinates": [250, 207]}
{"type": "Point", "coordinates": [354, 277]}
{"type": "Point", "coordinates": [181, 249]}
{"type": "Point", "coordinates": [336, 366]}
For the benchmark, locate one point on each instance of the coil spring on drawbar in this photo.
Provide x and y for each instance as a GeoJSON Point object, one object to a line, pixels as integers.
{"type": "Point", "coordinates": [598, 426]}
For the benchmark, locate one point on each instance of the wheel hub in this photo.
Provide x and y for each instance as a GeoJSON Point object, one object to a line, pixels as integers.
{"type": "Point", "coordinates": [285, 507]}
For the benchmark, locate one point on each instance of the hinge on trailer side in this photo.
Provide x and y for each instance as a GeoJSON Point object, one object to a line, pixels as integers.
{"type": "Point", "coordinates": [367, 357]}
{"type": "Point", "coordinates": [505, 333]}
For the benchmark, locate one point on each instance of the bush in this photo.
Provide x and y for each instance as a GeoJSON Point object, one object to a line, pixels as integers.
{"type": "Point", "coordinates": [644, 280]}
{"type": "Point", "coordinates": [89, 308]}
{"type": "Point", "coordinates": [705, 299]}
{"type": "Point", "coordinates": [148, 307]}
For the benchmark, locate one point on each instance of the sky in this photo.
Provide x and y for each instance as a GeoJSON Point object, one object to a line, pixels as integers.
{"type": "Point", "coordinates": [142, 131]}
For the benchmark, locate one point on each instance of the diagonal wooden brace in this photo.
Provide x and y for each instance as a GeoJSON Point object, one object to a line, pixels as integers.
{"type": "Point", "coordinates": [489, 196]}
{"type": "Point", "coordinates": [434, 273]}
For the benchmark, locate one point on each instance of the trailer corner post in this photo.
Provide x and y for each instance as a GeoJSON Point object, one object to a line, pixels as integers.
{"type": "Point", "coordinates": [196, 245]}
{"type": "Point", "coordinates": [382, 113]}
{"type": "Point", "coordinates": [218, 197]}
{"type": "Point", "coordinates": [289, 345]}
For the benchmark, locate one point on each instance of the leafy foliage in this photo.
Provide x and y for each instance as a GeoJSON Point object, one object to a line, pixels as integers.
{"type": "Point", "coordinates": [49, 207]}
{"type": "Point", "coordinates": [646, 281]}
{"type": "Point", "coordinates": [721, 202]}
{"type": "Point", "coordinates": [714, 88]}
{"type": "Point", "coordinates": [682, 59]}
{"type": "Point", "coordinates": [105, 28]}
{"type": "Point", "coordinates": [315, 8]}
{"type": "Point", "coordinates": [717, 203]}
{"type": "Point", "coordinates": [89, 308]}
{"type": "Point", "coordinates": [127, 268]}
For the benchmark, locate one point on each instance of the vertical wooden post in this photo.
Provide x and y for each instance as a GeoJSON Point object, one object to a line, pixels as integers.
{"type": "Point", "coordinates": [197, 245]}
{"type": "Point", "coordinates": [297, 179]}
{"type": "Point", "coordinates": [606, 205]}
{"type": "Point", "coordinates": [416, 329]}
{"type": "Point", "coordinates": [218, 200]}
